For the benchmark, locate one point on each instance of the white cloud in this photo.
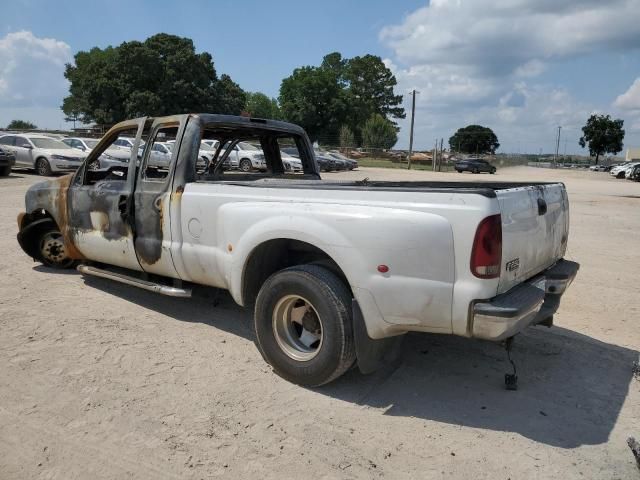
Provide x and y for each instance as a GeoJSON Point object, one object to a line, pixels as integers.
{"type": "Point", "coordinates": [32, 74]}
{"type": "Point", "coordinates": [478, 62]}
{"type": "Point", "coordinates": [630, 100]}
{"type": "Point", "coordinates": [500, 37]}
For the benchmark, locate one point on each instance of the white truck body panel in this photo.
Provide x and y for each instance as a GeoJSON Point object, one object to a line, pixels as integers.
{"type": "Point", "coordinates": [424, 237]}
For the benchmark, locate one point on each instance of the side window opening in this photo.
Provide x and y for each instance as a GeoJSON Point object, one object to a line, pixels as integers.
{"type": "Point", "coordinates": [250, 154]}
{"type": "Point", "coordinates": [110, 161]}
{"type": "Point", "coordinates": [158, 157]}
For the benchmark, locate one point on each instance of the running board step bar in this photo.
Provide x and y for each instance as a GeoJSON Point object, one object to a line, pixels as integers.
{"type": "Point", "coordinates": [135, 282]}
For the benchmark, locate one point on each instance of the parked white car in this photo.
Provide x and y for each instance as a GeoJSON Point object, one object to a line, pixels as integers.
{"type": "Point", "coordinates": [290, 163]}
{"type": "Point", "coordinates": [127, 142]}
{"type": "Point", "coordinates": [247, 157]}
{"type": "Point", "coordinates": [206, 152]}
{"type": "Point", "coordinates": [43, 153]}
{"type": "Point", "coordinates": [113, 156]}
{"type": "Point", "coordinates": [621, 171]}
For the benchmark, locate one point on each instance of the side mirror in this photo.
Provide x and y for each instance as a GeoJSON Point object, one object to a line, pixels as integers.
{"type": "Point", "coordinates": [28, 147]}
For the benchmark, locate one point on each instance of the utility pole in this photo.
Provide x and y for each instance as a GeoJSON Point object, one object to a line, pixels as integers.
{"type": "Point", "coordinates": [555, 159]}
{"type": "Point", "coordinates": [441, 155]}
{"type": "Point", "coordinates": [435, 155]}
{"type": "Point", "coordinates": [413, 116]}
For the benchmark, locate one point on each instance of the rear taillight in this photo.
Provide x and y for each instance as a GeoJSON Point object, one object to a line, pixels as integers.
{"type": "Point", "coordinates": [486, 254]}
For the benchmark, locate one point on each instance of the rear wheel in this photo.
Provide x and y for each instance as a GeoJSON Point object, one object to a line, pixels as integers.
{"type": "Point", "coordinates": [5, 171]}
{"type": "Point", "coordinates": [245, 165]}
{"type": "Point", "coordinates": [303, 325]}
{"type": "Point", "coordinates": [493, 170]}
{"type": "Point", "coordinates": [43, 168]}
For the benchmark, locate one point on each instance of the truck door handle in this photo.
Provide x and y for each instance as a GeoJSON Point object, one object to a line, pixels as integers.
{"type": "Point", "coordinates": [542, 206]}
{"type": "Point", "coordinates": [157, 203]}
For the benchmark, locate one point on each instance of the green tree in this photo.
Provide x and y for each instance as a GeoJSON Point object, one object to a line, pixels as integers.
{"type": "Point", "coordinates": [347, 138]}
{"type": "Point", "coordinates": [340, 92]}
{"type": "Point", "coordinates": [602, 135]}
{"type": "Point", "coordinates": [312, 98]}
{"type": "Point", "coordinates": [260, 106]}
{"type": "Point", "coordinates": [21, 125]}
{"type": "Point", "coordinates": [379, 133]}
{"type": "Point", "coordinates": [161, 76]}
{"type": "Point", "coordinates": [371, 85]}
{"type": "Point", "coordinates": [474, 139]}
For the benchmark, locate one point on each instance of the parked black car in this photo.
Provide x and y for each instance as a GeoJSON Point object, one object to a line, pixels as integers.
{"type": "Point", "coordinates": [7, 161]}
{"type": "Point", "coordinates": [474, 165]}
{"type": "Point", "coordinates": [351, 164]}
{"type": "Point", "coordinates": [635, 174]}
{"type": "Point", "coordinates": [325, 164]}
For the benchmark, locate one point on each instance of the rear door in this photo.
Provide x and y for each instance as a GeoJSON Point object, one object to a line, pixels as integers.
{"type": "Point", "coordinates": [24, 152]}
{"type": "Point", "coordinates": [535, 227]}
{"type": "Point", "coordinates": [153, 196]}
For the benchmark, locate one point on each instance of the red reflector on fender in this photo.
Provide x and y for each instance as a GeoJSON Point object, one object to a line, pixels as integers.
{"type": "Point", "coordinates": [486, 253]}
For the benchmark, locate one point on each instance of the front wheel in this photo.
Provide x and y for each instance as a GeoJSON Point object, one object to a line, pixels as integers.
{"type": "Point", "coordinates": [43, 241]}
{"type": "Point", "coordinates": [43, 168]}
{"type": "Point", "coordinates": [303, 325]}
{"type": "Point", "coordinates": [245, 165]}
{"type": "Point", "coordinates": [492, 171]}
{"type": "Point", "coordinates": [5, 171]}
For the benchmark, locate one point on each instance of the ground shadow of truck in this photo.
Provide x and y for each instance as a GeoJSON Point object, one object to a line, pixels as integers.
{"type": "Point", "coordinates": [572, 387]}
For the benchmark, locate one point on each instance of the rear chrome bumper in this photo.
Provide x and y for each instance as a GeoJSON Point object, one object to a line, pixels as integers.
{"type": "Point", "coordinates": [529, 303]}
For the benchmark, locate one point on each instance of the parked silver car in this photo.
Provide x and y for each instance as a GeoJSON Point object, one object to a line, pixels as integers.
{"type": "Point", "coordinates": [43, 153]}
{"type": "Point", "coordinates": [113, 156]}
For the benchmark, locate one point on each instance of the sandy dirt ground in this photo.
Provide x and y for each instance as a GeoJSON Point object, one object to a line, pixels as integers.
{"type": "Point", "coordinates": [99, 380]}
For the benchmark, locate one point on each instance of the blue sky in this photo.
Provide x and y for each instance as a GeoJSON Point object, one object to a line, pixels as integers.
{"type": "Point", "coordinates": [522, 67]}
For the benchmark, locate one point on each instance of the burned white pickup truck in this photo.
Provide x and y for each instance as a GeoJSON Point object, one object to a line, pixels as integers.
{"type": "Point", "coordinates": [336, 271]}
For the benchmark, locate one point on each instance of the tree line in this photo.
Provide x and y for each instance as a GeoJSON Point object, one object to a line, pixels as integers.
{"type": "Point", "coordinates": [352, 99]}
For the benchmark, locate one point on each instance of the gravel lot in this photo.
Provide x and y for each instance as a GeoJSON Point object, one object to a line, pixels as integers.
{"type": "Point", "coordinates": [100, 380]}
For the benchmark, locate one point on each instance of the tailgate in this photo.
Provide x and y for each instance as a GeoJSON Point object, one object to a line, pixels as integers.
{"type": "Point", "coordinates": [535, 227]}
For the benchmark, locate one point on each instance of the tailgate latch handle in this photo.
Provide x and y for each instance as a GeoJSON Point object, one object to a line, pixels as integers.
{"type": "Point", "coordinates": [542, 206]}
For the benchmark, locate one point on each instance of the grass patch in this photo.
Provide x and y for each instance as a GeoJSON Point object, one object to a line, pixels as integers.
{"type": "Point", "coordinates": [386, 163]}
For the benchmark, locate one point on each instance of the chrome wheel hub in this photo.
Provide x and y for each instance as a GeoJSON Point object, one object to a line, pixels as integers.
{"type": "Point", "coordinates": [297, 328]}
{"type": "Point", "coordinates": [52, 247]}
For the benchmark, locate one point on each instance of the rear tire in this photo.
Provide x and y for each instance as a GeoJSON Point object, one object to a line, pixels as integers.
{"type": "Point", "coordinates": [5, 171]}
{"type": "Point", "coordinates": [303, 325]}
{"type": "Point", "coordinates": [43, 168]}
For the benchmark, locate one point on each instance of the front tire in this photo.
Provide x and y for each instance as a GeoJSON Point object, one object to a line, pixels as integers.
{"type": "Point", "coordinates": [303, 325]}
{"type": "Point", "coordinates": [5, 171]}
{"type": "Point", "coordinates": [245, 165]}
{"type": "Point", "coordinates": [45, 243]}
{"type": "Point", "coordinates": [43, 167]}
